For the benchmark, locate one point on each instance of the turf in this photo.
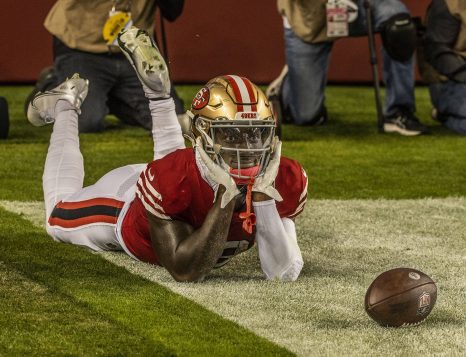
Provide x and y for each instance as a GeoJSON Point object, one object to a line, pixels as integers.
{"type": "Point", "coordinates": [345, 244]}
{"type": "Point", "coordinates": [60, 299]}
{"type": "Point", "coordinates": [82, 304]}
{"type": "Point", "coordinates": [345, 159]}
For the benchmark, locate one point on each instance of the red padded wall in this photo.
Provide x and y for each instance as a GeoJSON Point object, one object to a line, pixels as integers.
{"type": "Point", "coordinates": [210, 38]}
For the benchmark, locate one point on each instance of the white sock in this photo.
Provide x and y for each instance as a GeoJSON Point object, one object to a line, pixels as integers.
{"type": "Point", "coordinates": [166, 130]}
{"type": "Point", "coordinates": [64, 167]}
{"type": "Point", "coordinates": [278, 248]}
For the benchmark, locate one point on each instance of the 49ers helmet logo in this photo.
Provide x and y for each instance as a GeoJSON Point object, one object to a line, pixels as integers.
{"type": "Point", "coordinates": [201, 99]}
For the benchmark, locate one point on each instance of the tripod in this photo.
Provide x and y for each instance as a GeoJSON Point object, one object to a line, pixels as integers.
{"type": "Point", "coordinates": [373, 61]}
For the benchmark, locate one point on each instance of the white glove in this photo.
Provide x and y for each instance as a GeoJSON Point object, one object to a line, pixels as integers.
{"type": "Point", "coordinates": [218, 175]}
{"type": "Point", "coordinates": [265, 182]}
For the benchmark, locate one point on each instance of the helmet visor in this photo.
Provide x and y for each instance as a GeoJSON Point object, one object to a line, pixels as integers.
{"type": "Point", "coordinates": [242, 146]}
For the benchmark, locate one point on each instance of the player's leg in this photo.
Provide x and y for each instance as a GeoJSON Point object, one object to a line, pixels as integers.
{"type": "Point", "coordinates": [303, 90]}
{"type": "Point", "coordinates": [81, 216]}
{"type": "Point", "coordinates": [152, 72]}
{"type": "Point", "coordinates": [90, 216]}
{"type": "Point", "coordinates": [63, 170]}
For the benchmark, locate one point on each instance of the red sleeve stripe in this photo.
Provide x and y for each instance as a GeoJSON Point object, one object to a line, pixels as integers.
{"type": "Point", "coordinates": [147, 190]}
{"type": "Point", "coordinates": [244, 93]}
{"type": "Point", "coordinates": [147, 199]}
{"type": "Point", "coordinates": [147, 180]}
{"type": "Point", "coordinates": [150, 209]}
{"type": "Point", "coordinates": [294, 215]}
{"type": "Point", "coordinates": [299, 209]}
{"type": "Point", "coordinates": [301, 205]}
{"type": "Point", "coordinates": [304, 193]}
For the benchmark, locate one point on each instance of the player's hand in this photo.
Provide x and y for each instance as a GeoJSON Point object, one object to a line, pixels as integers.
{"type": "Point", "coordinates": [218, 175]}
{"type": "Point", "coordinates": [264, 183]}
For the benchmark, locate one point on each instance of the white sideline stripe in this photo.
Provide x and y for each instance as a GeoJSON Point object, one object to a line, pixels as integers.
{"type": "Point", "coordinates": [411, 232]}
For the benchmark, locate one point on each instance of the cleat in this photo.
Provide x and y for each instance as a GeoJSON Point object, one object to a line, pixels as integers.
{"type": "Point", "coordinates": [41, 109]}
{"type": "Point", "coordinates": [145, 57]}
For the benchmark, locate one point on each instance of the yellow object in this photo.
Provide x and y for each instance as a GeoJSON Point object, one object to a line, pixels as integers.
{"type": "Point", "coordinates": [114, 24]}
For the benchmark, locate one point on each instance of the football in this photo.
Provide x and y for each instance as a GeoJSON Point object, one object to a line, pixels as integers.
{"type": "Point", "coordinates": [400, 297]}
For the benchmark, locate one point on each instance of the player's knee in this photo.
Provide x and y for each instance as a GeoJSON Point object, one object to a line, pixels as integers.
{"type": "Point", "coordinates": [51, 232]}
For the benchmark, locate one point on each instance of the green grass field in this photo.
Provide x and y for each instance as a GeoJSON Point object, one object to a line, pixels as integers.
{"type": "Point", "coordinates": [375, 202]}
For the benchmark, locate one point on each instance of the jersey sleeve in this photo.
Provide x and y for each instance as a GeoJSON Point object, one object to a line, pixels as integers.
{"type": "Point", "coordinates": [292, 184]}
{"type": "Point", "coordinates": [163, 187]}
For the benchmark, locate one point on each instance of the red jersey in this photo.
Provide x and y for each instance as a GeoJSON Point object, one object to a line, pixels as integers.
{"type": "Point", "coordinates": [173, 188]}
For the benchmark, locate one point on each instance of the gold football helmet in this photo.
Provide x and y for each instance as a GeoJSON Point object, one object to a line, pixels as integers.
{"type": "Point", "coordinates": [234, 119]}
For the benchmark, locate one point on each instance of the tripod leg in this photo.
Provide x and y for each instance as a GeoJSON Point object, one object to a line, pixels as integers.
{"type": "Point", "coordinates": [373, 61]}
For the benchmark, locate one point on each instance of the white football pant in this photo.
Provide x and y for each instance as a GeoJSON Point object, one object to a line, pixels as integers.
{"type": "Point", "coordinates": [89, 216]}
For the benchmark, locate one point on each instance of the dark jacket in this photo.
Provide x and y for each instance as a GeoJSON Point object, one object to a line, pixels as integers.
{"type": "Point", "coordinates": [445, 38]}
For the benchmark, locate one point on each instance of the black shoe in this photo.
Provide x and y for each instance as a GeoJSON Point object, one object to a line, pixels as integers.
{"type": "Point", "coordinates": [405, 123]}
{"type": "Point", "coordinates": [46, 80]}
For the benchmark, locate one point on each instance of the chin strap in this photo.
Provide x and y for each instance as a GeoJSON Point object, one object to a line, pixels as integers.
{"type": "Point", "coordinates": [248, 174]}
{"type": "Point", "coordinates": [248, 216]}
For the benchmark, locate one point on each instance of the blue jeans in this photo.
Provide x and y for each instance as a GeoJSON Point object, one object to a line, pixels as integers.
{"type": "Point", "coordinates": [303, 90]}
{"type": "Point", "coordinates": [114, 88]}
{"type": "Point", "coordinates": [449, 99]}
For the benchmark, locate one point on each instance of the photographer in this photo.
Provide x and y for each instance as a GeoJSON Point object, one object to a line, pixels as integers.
{"type": "Point", "coordinates": [445, 51]}
{"type": "Point", "coordinates": [84, 40]}
{"type": "Point", "coordinates": [311, 27]}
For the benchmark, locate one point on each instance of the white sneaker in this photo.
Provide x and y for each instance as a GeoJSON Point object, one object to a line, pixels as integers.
{"type": "Point", "coordinates": [41, 109]}
{"type": "Point", "coordinates": [275, 87]}
{"type": "Point", "coordinates": [145, 57]}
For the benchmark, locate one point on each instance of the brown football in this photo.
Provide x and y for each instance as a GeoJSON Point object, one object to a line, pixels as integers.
{"type": "Point", "coordinates": [400, 297]}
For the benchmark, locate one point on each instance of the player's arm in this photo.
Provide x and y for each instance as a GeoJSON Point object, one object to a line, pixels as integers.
{"type": "Point", "coordinates": [278, 248]}
{"type": "Point", "coordinates": [277, 244]}
{"type": "Point", "coordinates": [190, 254]}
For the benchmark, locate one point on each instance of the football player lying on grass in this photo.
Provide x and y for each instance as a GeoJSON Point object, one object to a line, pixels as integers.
{"type": "Point", "coordinates": [191, 209]}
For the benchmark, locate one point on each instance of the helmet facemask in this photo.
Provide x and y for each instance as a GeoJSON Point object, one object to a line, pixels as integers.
{"type": "Point", "coordinates": [241, 147]}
